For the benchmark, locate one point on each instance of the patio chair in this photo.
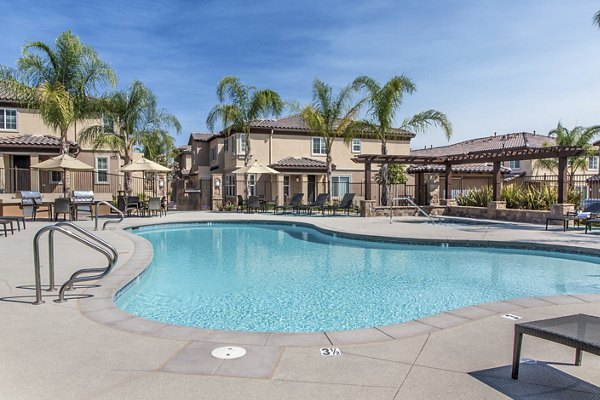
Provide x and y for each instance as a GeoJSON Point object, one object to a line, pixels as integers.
{"type": "Point", "coordinates": [589, 212]}
{"type": "Point", "coordinates": [16, 218]}
{"type": "Point", "coordinates": [83, 202]}
{"type": "Point", "coordinates": [7, 223]}
{"type": "Point", "coordinates": [31, 204]}
{"type": "Point", "coordinates": [270, 204]}
{"type": "Point", "coordinates": [253, 204]}
{"type": "Point", "coordinates": [318, 204]}
{"type": "Point", "coordinates": [241, 203]}
{"type": "Point", "coordinates": [347, 203]}
{"type": "Point", "coordinates": [294, 203]}
{"type": "Point", "coordinates": [164, 205]}
{"type": "Point", "coordinates": [154, 206]}
{"type": "Point", "coordinates": [63, 206]}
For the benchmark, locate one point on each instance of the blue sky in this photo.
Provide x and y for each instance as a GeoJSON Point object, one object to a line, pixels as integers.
{"type": "Point", "coordinates": [490, 65]}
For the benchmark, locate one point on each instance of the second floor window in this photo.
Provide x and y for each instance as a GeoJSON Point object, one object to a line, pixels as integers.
{"type": "Point", "coordinates": [8, 119]}
{"type": "Point", "coordinates": [514, 164]}
{"type": "Point", "coordinates": [226, 144]}
{"type": "Point", "coordinates": [108, 124]}
{"type": "Point", "coordinates": [213, 154]}
{"type": "Point", "coordinates": [101, 169]}
{"type": "Point", "coordinates": [318, 146]}
{"type": "Point", "coordinates": [593, 163]}
{"type": "Point", "coordinates": [356, 145]}
{"type": "Point", "coordinates": [242, 144]}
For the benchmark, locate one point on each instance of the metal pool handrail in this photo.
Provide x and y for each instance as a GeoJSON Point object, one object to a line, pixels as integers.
{"type": "Point", "coordinates": [408, 199]}
{"type": "Point", "coordinates": [95, 243]}
{"type": "Point", "coordinates": [110, 221]}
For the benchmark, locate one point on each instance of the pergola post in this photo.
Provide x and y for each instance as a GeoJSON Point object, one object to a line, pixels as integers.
{"type": "Point", "coordinates": [497, 181]}
{"type": "Point", "coordinates": [367, 181]}
{"type": "Point", "coordinates": [448, 177]}
{"type": "Point", "coordinates": [563, 185]}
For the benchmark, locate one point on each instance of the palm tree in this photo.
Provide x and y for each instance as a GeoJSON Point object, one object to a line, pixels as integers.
{"type": "Point", "coordinates": [576, 137]}
{"type": "Point", "coordinates": [246, 104]}
{"type": "Point", "coordinates": [596, 19]}
{"type": "Point", "coordinates": [59, 82]}
{"type": "Point", "coordinates": [134, 116]}
{"type": "Point", "coordinates": [331, 117]}
{"type": "Point", "coordinates": [158, 145]}
{"type": "Point", "coordinates": [384, 102]}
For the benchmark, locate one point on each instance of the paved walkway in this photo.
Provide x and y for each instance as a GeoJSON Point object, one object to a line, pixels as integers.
{"type": "Point", "coordinates": [88, 349]}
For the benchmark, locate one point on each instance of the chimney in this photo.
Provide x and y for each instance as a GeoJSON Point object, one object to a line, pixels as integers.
{"type": "Point", "coordinates": [494, 133]}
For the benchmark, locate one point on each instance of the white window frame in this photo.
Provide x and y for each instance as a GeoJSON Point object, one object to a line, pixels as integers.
{"type": "Point", "coordinates": [104, 170]}
{"type": "Point", "coordinates": [593, 163]}
{"type": "Point", "coordinates": [514, 164]}
{"type": "Point", "coordinates": [3, 126]}
{"type": "Point", "coordinates": [251, 184]}
{"type": "Point", "coordinates": [322, 146]}
{"type": "Point", "coordinates": [242, 143]}
{"type": "Point", "coordinates": [335, 182]}
{"type": "Point", "coordinates": [230, 185]}
{"type": "Point", "coordinates": [52, 175]}
{"type": "Point", "coordinates": [356, 145]}
{"type": "Point", "coordinates": [105, 119]}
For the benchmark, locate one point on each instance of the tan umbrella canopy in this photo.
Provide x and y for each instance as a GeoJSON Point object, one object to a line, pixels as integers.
{"type": "Point", "coordinates": [256, 168]}
{"type": "Point", "coordinates": [145, 165]}
{"type": "Point", "coordinates": [63, 163]}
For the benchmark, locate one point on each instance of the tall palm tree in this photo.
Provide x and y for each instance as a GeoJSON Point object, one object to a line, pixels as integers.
{"type": "Point", "coordinates": [596, 19]}
{"type": "Point", "coordinates": [576, 137]}
{"type": "Point", "coordinates": [384, 102]}
{"type": "Point", "coordinates": [331, 117]}
{"type": "Point", "coordinates": [246, 104]}
{"type": "Point", "coordinates": [134, 116]}
{"type": "Point", "coordinates": [158, 145]}
{"type": "Point", "coordinates": [60, 82]}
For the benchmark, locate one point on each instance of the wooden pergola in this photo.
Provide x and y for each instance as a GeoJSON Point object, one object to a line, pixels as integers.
{"type": "Point", "coordinates": [494, 149]}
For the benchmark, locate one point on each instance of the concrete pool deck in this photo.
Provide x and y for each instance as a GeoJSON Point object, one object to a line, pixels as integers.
{"type": "Point", "coordinates": [88, 349]}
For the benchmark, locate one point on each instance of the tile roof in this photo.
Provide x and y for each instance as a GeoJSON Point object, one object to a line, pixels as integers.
{"type": "Point", "coordinates": [32, 140]}
{"type": "Point", "coordinates": [185, 149]}
{"type": "Point", "coordinates": [457, 168]}
{"type": "Point", "coordinates": [202, 136]}
{"type": "Point", "coordinates": [5, 95]}
{"type": "Point", "coordinates": [496, 142]}
{"type": "Point", "coordinates": [299, 162]}
{"type": "Point", "coordinates": [294, 122]}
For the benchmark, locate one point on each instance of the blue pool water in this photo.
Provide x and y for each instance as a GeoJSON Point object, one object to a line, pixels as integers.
{"type": "Point", "coordinates": [264, 277]}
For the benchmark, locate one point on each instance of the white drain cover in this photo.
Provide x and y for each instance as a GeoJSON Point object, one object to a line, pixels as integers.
{"type": "Point", "coordinates": [228, 353]}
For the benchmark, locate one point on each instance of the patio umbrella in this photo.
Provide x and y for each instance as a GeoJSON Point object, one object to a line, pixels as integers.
{"type": "Point", "coordinates": [256, 168]}
{"type": "Point", "coordinates": [145, 165]}
{"type": "Point", "coordinates": [63, 163]}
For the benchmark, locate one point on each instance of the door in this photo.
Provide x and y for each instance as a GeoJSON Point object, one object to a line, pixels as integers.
{"type": "Point", "coordinates": [312, 188]}
{"type": "Point", "coordinates": [21, 175]}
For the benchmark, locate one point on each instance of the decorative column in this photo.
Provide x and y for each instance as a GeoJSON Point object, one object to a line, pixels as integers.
{"type": "Point", "coordinates": [497, 181]}
{"type": "Point", "coordinates": [448, 177]}
{"type": "Point", "coordinates": [367, 181]}
{"type": "Point", "coordinates": [563, 185]}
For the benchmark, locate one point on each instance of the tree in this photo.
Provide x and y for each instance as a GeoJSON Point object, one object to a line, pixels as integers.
{"type": "Point", "coordinates": [384, 101]}
{"type": "Point", "coordinates": [246, 104]}
{"type": "Point", "coordinates": [331, 117]}
{"type": "Point", "coordinates": [596, 19]}
{"type": "Point", "coordinates": [158, 145]}
{"type": "Point", "coordinates": [576, 137]}
{"type": "Point", "coordinates": [395, 175]}
{"type": "Point", "coordinates": [134, 117]}
{"type": "Point", "coordinates": [59, 82]}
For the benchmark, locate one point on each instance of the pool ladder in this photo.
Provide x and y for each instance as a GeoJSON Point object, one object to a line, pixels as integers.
{"type": "Point", "coordinates": [110, 221]}
{"type": "Point", "coordinates": [412, 203]}
{"type": "Point", "coordinates": [82, 236]}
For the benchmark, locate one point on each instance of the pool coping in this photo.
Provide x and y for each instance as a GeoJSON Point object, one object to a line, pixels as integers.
{"type": "Point", "coordinates": [102, 309]}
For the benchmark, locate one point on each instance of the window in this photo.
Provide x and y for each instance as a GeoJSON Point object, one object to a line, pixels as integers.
{"type": "Point", "coordinates": [8, 119]}
{"type": "Point", "coordinates": [232, 138]}
{"type": "Point", "coordinates": [514, 164]}
{"type": "Point", "coordinates": [55, 177]}
{"type": "Point", "coordinates": [226, 144]}
{"type": "Point", "coordinates": [101, 169]}
{"type": "Point", "coordinates": [286, 187]}
{"type": "Point", "coordinates": [593, 163]}
{"type": "Point", "coordinates": [251, 184]}
{"type": "Point", "coordinates": [318, 146]}
{"type": "Point", "coordinates": [108, 124]}
{"type": "Point", "coordinates": [356, 145]}
{"type": "Point", "coordinates": [229, 185]}
{"type": "Point", "coordinates": [340, 185]}
{"type": "Point", "coordinates": [242, 144]}
{"type": "Point", "coordinates": [213, 154]}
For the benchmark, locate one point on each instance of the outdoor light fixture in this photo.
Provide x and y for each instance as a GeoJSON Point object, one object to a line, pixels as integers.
{"type": "Point", "coordinates": [217, 183]}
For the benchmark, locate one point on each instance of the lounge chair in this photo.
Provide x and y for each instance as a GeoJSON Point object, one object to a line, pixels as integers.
{"type": "Point", "coordinates": [31, 204]}
{"type": "Point", "coordinates": [294, 203]}
{"type": "Point", "coordinates": [7, 223]}
{"type": "Point", "coordinates": [591, 211]}
{"type": "Point", "coordinates": [319, 204]}
{"type": "Point", "coordinates": [347, 203]}
{"type": "Point", "coordinates": [16, 218]}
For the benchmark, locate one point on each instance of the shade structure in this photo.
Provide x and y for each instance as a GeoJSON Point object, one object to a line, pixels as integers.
{"type": "Point", "coordinates": [144, 165]}
{"type": "Point", "coordinates": [63, 163]}
{"type": "Point", "coordinates": [256, 168]}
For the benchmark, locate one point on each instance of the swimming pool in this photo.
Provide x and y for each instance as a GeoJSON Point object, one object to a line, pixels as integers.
{"type": "Point", "coordinates": [285, 278]}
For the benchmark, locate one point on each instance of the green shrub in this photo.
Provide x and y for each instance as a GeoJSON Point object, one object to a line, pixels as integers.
{"type": "Point", "coordinates": [475, 197]}
{"type": "Point", "coordinates": [531, 197]}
